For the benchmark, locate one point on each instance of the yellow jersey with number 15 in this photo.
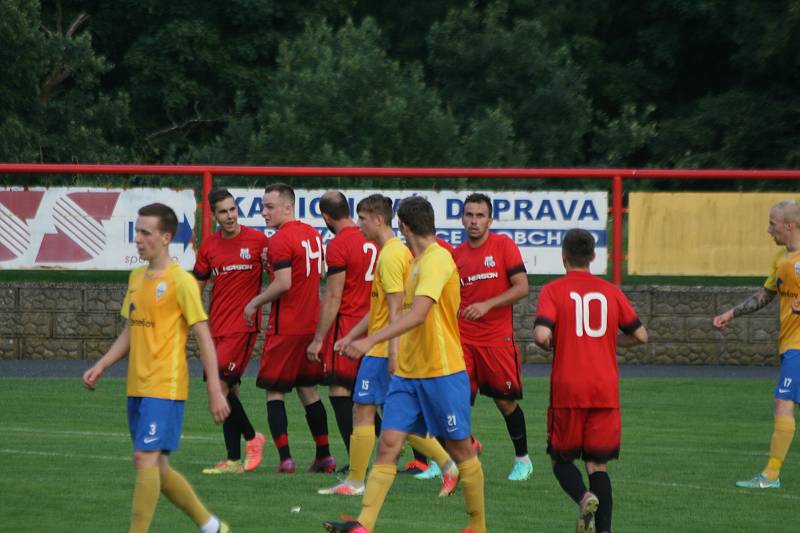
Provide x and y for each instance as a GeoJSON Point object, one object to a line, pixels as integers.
{"type": "Point", "coordinates": [433, 349]}
{"type": "Point", "coordinates": [159, 311]}
{"type": "Point", "coordinates": [785, 280]}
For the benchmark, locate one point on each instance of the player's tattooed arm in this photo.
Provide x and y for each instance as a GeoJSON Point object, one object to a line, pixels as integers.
{"type": "Point", "coordinates": [756, 301]}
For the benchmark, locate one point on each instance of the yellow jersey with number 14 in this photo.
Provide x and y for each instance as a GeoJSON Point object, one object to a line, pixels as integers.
{"type": "Point", "coordinates": [433, 349]}
{"type": "Point", "coordinates": [159, 311]}
{"type": "Point", "coordinates": [785, 280]}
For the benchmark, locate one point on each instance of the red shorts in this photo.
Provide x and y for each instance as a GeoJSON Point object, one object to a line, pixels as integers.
{"type": "Point", "coordinates": [284, 364]}
{"type": "Point", "coordinates": [494, 370]}
{"type": "Point", "coordinates": [339, 369]}
{"type": "Point", "coordinates": [233, 354]}
{"type": "Point", "coordinates": [592, 434]}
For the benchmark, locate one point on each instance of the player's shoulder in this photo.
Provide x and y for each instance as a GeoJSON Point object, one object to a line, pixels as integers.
{"type": "Point", "coordinates": [177, 274]}
{"type": "Point", "coordinates": [252, 233]}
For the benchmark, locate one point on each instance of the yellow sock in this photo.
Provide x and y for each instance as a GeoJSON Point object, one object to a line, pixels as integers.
{"type": "Point", "coordinates": [362, 442]}
{"type": "Point", "coordinates": [430, 447]}
{"type": "Point", "coordinates": [782, 437]}
{"type": "Point", "coordinates": [145, 498]}
{"type": "Point", "coordinates": [471, 473]}
{"type": "Point", "coordinates": [182, 495]}
{"type": "Point", "coordinates": [380, 481]}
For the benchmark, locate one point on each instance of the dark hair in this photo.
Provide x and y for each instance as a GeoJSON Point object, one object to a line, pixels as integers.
{"type": "Point", "coordinates": [167, 220]}
{"type": "Point", "coordinates": [578, 247]}
{"type": "Point", "coordinates": [284, 191]}
{"type": "Point", "coordinates": [216, 196]}
{"type": "Point", "coordinates": [334, 204]}
{"type": "Point", "coordinates": [478, 198]}
{"type": "Point", "coordinates": [417, 213]}
{"type": "Point", "coordinates": [376, 204]}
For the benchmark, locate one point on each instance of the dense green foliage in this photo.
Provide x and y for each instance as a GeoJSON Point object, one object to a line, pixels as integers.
{"type": "Point", "coordinates": [658, 83]}
{"type": "Point", "coordinates": [68, 467]}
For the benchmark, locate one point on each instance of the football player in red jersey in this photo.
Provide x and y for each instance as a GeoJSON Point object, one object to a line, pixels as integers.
{"type": "Point", "coordinates": [350, 261]}
{"type": "Point", "coordinates": [233, 255]}
{"type": "Point", "coordinates": [493, 278]}
{"type": "Point", "coordinates": [578, 315]}
{"type": "Point", "coordinates": [294, 261]}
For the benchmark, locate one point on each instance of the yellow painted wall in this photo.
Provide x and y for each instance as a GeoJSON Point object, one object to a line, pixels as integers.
{"type": "Point", "coordinates": [711, 234]}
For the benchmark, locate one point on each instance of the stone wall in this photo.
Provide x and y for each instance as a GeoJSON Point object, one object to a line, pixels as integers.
{"type": "Point", "coordinates": [80, 320]}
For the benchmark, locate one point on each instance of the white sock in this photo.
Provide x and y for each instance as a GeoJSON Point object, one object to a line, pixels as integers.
{"type": "Point", "coordinates": [524, 459]}
{"type": "Point", "coordinates": [212, 526]}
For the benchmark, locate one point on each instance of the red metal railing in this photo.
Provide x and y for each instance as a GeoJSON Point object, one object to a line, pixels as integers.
{"type": "Point", "coordinates": [616, 175]}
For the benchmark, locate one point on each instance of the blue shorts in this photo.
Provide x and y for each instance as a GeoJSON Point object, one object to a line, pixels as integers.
{"type": "Point", "coordinates": [787, 387]}
{"type": "Point", "coordinates": [436, 406]}
{"type": "Point", "coordinates": [155, 424]}
{"type": "Point", "coordinates": [372, 381]}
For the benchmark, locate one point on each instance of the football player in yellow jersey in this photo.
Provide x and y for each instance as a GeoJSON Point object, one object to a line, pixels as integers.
{"type": "Point", "coordinates": [380, 361]}
{"type": "Point", "coordinates": [429, 392]}
{"type": "Point", "coordinates": [161, 304]}
{"type": "Point", "coordinates": [784, 280]}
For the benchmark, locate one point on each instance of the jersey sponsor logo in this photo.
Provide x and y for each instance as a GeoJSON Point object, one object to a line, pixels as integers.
{"type": "Point", "coordinates": [488, 261]}
{"type": "Point", "coordinates": [231, 268]}
{"type": "Point", "coordinates": [244, 253]}
{"type": "Point", "coordinates": [142, 323]}
{"type": "Point", "coordinates": [469, 280]}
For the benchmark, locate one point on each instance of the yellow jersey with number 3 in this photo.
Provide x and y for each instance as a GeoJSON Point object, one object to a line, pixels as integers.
{"type": "Point", "coordinates": [160, 311]}
{"type": "Point", "coordinates": [433, 349]}
{"type": "Point", "coordinates": [785, 280]}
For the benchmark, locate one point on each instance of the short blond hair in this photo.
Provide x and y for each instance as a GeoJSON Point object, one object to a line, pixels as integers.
{"type": "Point", "coordinates": [789, 210]}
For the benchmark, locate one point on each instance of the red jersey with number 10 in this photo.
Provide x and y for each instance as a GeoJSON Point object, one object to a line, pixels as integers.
{"type": "Point", "coordinates": [236, 266]}
{"type": "Point", "coordinates": [349, 252]}
{"type": "Point", "coordinates": [485, 272]}
{"type": "Point", "coordinates": [298, 246]}
{"type": "Point", "coordinates": [585, 312]}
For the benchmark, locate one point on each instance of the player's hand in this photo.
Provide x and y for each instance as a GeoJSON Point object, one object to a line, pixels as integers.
{"type": "Point", "coordinates": [312, 351]}
{"type": "Point", "coordinates": [721, 321]}
{"type": "Point", "coordinates": [218, 405]}
{"type": "Point", "coordinates": [358, 348]}
{"type": "Point", "coordinates": [475, 311]}
{"type": "Point", "coordinates": [340, 345]}
{"type": "Point", "coordinates": [250, 311]}
{"type": "Point", "coordinates": [91, 376]}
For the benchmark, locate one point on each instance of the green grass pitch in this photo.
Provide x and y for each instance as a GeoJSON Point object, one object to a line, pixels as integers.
{"type": "Point", "coordinates": [66, 465]}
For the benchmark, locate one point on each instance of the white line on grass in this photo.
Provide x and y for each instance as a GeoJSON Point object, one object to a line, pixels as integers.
{"type": "Point", "coordinates": [771, 493]}
{"type": "Point", "coordinates": [81, 456]}
{"type": "Point", "coordinates": [115, 435]}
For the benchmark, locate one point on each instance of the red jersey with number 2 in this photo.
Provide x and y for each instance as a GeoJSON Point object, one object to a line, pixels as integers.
{"type": "Point", "coordinates": [298, 246]}
{"type": "Point", "coordinates": [585, 312]}
{"type": "Point", "coordinates": [351, 253]}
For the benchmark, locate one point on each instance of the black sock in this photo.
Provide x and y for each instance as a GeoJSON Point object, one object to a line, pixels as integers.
{"type": "Point", "coordinates": [570, 479]}
{"type": "Point", "coordinates": [419, 456]}
{"type": "Point", "coordinates": [233, 437]}
{"type": "Point", "coordinates": [317, 420]}
{"type": "Point", "coordinates": [515, 422]}
{"type": "Point", "coordinates": [343, 409]}
{"type": "Point", "coordinates": [600, 485]}
{"type": "Point", "coordinates": [279, 427]}
{"type": "Point", "coordinates": [240, 417]}
{"type": "Point", "coordinates": [378, 424]}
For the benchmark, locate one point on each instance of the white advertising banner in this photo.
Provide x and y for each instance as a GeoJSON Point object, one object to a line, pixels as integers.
{"type": "Point", "coordinates": [82, 228]}
{"type": "Point", "coordinates": [535, 221]}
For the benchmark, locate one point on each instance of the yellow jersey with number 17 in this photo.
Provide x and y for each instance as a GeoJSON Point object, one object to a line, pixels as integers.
{"type": "Point", "coordinates": [160, 310]}
{"type": "Point", "coordinates": [432, 349]}
{"type": "Point", "coordinates": [785, 280]}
